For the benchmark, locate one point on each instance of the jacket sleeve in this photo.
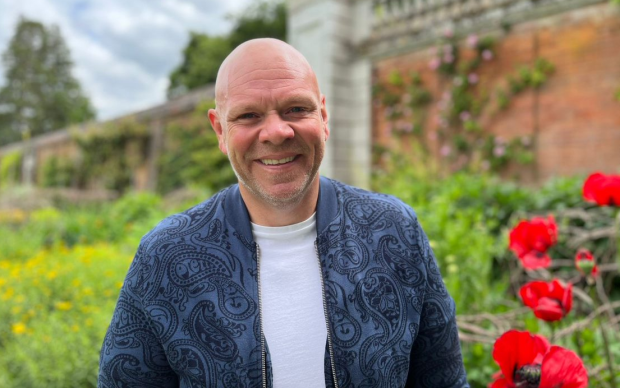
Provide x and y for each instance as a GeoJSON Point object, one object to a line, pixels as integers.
{"type": "Point", "coordinates": [132, 354]}
{"type": "Point", "coordinates": [436, 360]}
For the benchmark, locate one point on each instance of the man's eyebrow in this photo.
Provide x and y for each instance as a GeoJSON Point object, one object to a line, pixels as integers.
{"type": "Point", "coordinates": [302, 100]}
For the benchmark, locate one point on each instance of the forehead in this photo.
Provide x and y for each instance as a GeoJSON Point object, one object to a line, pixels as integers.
{"type": "Point", "coordinates": [262, 79]}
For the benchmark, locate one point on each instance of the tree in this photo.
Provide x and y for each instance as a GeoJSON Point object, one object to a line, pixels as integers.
{"type": "Point", "coordinates": [204, 54]}
{"type": "Point", "coordinates": [263, 20]}
{"type": "Point", "coordinates": [40, 93]}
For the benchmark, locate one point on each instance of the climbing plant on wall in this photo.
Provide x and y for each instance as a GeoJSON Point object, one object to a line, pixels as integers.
{"type": "Point", "coordinates": [111, 153]}
{"type": "Point", "coordinates": [191, 155]}
{"type": "Point", "coordinates": [466, 101]}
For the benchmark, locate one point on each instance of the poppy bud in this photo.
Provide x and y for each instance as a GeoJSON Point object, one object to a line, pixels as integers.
{"type": "Point", "coordinates": [584, 261]}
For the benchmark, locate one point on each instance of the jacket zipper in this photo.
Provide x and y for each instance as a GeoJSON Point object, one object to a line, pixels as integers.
{"type": "Point", "coordinates": [329, 336]}
{"type": "Point", "coordinates": [260, 314]}
{"type": "Point", "coordinates": [263, 355]}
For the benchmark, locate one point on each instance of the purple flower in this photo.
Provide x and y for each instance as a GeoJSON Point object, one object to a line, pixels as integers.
{"type": "Point", "coordinates": [487, 55]}
{"type": "Point", "coordinates": [465, 115]}
{"type": "Point", "coordinates": [448, 58]}
{"type": "Point", "coordinates": [432, 136]}
{"type": "Point", "coordinates": [473, 78]}
{"type": "Point", "coordinates": [406, 127]}
{"type": "Point", "coordinates": [445, 150]}
{"type": "Point", "coordinates": [499, 151]}
{"type": "Point", "coordinates": [472, 40]}
{"type": "Point", "coordinates": [434, 63]}
{"type": "Point", "coordinates": [448, 33]}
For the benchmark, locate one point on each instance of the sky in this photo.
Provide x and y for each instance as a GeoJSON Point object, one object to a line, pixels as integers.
{"type": "Point", "coordinates": [123, 50]}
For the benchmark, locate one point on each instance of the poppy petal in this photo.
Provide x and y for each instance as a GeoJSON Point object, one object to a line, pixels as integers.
{"type": "Point", "coordinates": [562, 368]}
{"type": "Point", "coordinates": [515, 349]}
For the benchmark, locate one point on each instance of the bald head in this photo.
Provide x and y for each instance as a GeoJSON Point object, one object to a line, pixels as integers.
{"type": "Point", "coordinates": [260, 55]}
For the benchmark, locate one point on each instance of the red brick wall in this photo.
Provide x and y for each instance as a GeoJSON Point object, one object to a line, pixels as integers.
{"type": "Point", "coordinates": [574, 118]}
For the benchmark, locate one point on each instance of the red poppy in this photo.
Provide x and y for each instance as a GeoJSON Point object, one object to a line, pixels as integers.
{"type": "Point", "coordinates": [584, 261]}
{"type": "Point", "coordinates": [529, 240]}
{"type": "Point", "coordinates": [528, 361]}
{"type": "Point", "coordinates": [602, 189]}
{"type": "Point", "coordinates": [550, 301]}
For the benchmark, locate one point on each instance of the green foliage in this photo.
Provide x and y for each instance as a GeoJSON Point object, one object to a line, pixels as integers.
{"type": "Point", "coordinates": [60, 274]}
{"type": "Point", "coordinates": [58, 172]}
{"type": "Point", "coordinates": [111, 153]}
{"type": "Point", "coordinates": [531, 77]}
{"type": "Point", "coordinates": [55, 311]}
{"type": "Point", "coordinates": [201, 60]}
{"type": "Point", "coordinates": [204, 54]}
{"type": "Point", "coordinates": [617, 95]}
{"type": "Point", "coordinates": [468, 217]}
{"type": "Point", "coordinates": [10, 166]}
{"type": "Point", "coordinates": [40, 94]}
{"type": "Point", "coordinates": [192, 157]}
{"type": "Point", "coordinates": [263, 19]}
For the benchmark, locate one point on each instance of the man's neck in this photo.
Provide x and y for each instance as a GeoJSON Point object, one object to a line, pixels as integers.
{"type": "Point", "coordinates": [265, 214]}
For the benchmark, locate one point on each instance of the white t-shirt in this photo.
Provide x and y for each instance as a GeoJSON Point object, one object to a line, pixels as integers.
{"type": "Point", "coordinates": [292, 304]}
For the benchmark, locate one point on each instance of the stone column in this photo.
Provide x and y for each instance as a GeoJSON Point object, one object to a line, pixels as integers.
{"type": "Point", "coordinates": [327, 33]}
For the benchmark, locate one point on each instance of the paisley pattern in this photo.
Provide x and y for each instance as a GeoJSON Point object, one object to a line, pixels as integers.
{"type": "Point", "coordinates": [188, 313]}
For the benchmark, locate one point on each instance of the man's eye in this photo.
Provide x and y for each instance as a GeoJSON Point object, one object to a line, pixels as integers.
{"type": "Point", "coordinates": [297, 109]}
{"type": "Point", "coordinates": [247, 116]}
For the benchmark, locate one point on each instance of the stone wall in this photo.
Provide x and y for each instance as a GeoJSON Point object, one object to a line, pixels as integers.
{"type": "Point", "coordinates": [60, 143]}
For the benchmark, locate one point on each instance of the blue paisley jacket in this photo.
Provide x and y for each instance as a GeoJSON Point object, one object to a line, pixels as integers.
{"type": "Point", "coordinates": [188, 314]}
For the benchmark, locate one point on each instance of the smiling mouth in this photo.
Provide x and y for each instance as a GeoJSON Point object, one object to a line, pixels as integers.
{"type": "Point", "coordinates": [275, 162]}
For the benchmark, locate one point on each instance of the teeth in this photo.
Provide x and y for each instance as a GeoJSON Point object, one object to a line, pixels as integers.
{"type": "Point", "coordinates": [277, 161]}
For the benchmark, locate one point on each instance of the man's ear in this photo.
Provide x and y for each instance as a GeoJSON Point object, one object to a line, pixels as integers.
{"type": "Point", "coordinates": [216, 124]}
{"type": "Point", "coordinates": [325, 116]}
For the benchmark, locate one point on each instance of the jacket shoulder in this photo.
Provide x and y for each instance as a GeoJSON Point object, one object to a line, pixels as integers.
{"type": "Point", "coordinates": [185, 223]}
{"type": "Point", "coordinates": [350, 196]}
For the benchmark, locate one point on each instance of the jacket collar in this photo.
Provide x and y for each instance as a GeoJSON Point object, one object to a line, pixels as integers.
{"type": "Point", "coordinates": [237, 213]}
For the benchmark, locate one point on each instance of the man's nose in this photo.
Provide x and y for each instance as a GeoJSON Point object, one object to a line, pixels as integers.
{"type": "Point", "coordinates": [275, 130]}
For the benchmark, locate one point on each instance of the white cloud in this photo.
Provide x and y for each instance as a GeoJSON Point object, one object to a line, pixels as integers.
{"type": "Point", "coordinates": [123, 50]}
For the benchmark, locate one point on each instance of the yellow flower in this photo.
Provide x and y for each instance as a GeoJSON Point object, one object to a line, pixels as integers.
{"type": "Point", "coordinates": [64, 306]}
{"type": "Point", "coordinates": [19, 328]}
{"type": "Point", "coordinates": [52, 275]}
{"type": "Point", "coordinates": [75, 328]}
{"type": "Point", "coordinates": [8, 294]}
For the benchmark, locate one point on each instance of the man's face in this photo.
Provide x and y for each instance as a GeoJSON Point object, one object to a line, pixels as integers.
{"type": "Point", "coordinates": [273, 127]}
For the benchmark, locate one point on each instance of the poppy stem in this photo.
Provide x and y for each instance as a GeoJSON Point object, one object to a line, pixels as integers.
{"type": "Point", "coordinates": [610, 358]}
{"type": "Point", "coordinates": [617, 235]}
{"type": "Point", "coordinates": [601, 298]}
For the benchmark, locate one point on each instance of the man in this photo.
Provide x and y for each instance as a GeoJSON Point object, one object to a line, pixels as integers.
{"type": "Point", "coordinates": [286, 279]}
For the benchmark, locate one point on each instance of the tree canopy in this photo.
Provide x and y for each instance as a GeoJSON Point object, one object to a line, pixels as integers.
{"type": "Point", "coordinates": [40, 94]}
{"type": "Point", "coordinates": [204, 53]}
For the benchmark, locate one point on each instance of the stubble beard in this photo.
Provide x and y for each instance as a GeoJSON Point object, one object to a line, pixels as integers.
{"type": "Point", "coordinates": [281, 201]}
